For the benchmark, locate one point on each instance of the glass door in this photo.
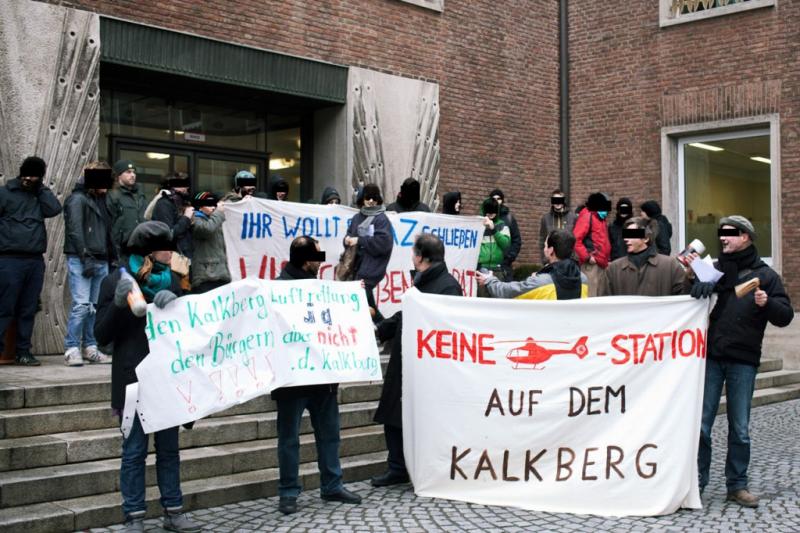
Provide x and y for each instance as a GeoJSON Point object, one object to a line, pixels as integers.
{"type": "Point", "coordinates": [215, 172]}
{"type": "Point", "coordinates": [153, 164]}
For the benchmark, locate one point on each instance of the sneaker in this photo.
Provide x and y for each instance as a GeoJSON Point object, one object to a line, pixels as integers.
{"type": "Point", "coordinates": [176, 520]}
{"type": "Point", "coordinates": [134, 523]}
{"type": "Point", "coordinates": [287, 505]}
{"type": "Point", "coordinates": [26, 359]}
{"type": "Point", "coordinates": [743, 497]}
{"type": "Point", "coordinates": [95, 356]}
{"type": "Point", "coordinates": [72, 357]}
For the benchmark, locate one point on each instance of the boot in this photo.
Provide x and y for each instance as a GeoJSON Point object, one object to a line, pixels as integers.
{"type": "Point", "coordinates": [176, 520]}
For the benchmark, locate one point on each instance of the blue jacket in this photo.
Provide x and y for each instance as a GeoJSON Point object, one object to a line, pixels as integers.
{"type": "Point", "coordinates": [374, 247]}
{"type": "Point", "coordinates": [22, 215]}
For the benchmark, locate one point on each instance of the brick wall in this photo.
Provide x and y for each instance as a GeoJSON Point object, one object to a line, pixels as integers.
{"type": "Point", "coordinates": [497, 68]}
{"type": "Point", "coordinates": [629, 78]}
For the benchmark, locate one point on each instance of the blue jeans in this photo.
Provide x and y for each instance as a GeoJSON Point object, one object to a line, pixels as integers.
{"type": "Point", "coordinates": [739, 380]}
{"type": "Point", "coordinates": [324, 411]}
{"type": "Point", "coordinates": [132, 469]}
{"type": "Point", "coordinates": [84, 292]}
{"type": "Point", "coordinates": [21, 280]}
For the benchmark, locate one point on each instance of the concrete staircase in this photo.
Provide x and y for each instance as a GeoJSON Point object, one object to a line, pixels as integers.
{"type": "Point", "coordinates": [60, 445]}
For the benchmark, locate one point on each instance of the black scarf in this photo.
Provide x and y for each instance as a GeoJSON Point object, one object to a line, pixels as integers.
{"type": "Point", "coordinates": [731, 264]}
{"type": "Point", "coordinates": [638, 259]}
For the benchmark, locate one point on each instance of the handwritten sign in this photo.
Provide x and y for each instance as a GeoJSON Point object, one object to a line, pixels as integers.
{"type": "Point", "coordinates": [585, 406]}
{"type": "Point", "coordinates": [258, 233]}
{"type": "Point", "coordinates": [211, 351]}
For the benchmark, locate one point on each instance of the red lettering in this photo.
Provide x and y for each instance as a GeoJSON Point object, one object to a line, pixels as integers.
{"type": "Point", "coordinates": [483, 348]}
{"type": "Point", "coordinates": [441, 344]}
{"type": "Point", "coordinates": [422, 342]}
{"type": "Point", "coordinates": [635, 338]}
{"type": "Point", "coordinates": [661, 337]}
{"type": "Point", "coordinates": [681, 346]}
{"type": "Point", "coordinates": [649, 346]}
{"type": "Point", "coordinates": [615, 344]}
{"type": "Point", "coordinates": [701, 343]}
{"type": "Point", "coordinates": [445, 344]}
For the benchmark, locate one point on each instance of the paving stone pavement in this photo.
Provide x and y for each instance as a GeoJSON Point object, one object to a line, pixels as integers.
{"type": "Point", "coordinates": [774, 474]}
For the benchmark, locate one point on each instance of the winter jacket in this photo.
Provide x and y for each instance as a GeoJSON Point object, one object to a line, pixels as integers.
{"type": "Point", "coordinates": [126, 206]}
{"type": "Point", "coordinates": [618, 248]}
{"type": "Point", "coordinates": [126, 331]}
{"type": "Point", "coordinates": [494, 244]}
{"type": "Point", "coordinates": [551, 221]}
{"type": "Point", "coordinates": [591, 238]}
{"type": "Point", "coordinates": [566, 283]}
{"type": "Point", "coordinates": [736, 327]}
{"type": "Point", "coordinates": [22, 215]}
{"type": "Point", "coordinates": [511, 253]}
{"type": "Point", "coordinates": [328, 194]}
{"type": "Point", "coordinates": [397, 207]}
{"type": "Point", "coordinates": [449, 201]}
{"type": "Point", "coordinates": [209, 259]}
{"type": "Point", "coordinates": [374, 248]}
{"type": "Point", "coordinates": [435, 280]}
{"type": "Point", "coordinates": [663, 235]}
{"type": "Point", "coordinates": [87, 226]}
{"type": "Point", "coordinates": [291, 272]}
{"type": "Point", "coordinates": [659, 275]}
{"type": "Point", "coordinates": [169, 210]}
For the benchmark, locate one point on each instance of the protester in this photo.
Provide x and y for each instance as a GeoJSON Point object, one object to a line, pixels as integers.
{"type": "Point", "coordinates": [432, 277]}
{"type": "Point", "coordinates": [643, 272]}
{"type": "Point", "coordinates": [126, 203]}
{"type": "Point", "coordinates": [735, 332]}
{"type": "Point", "coordinates": [305, 257]}
{"type": "Point", "coordinates": [244, 184]}
{"type": "Point", "coordinates": [451, 203]}
{"type": "Point", "coordinates": [408, 199]}
{"type": "Point", "coordinates": [209, 267]}
{"type": "Point", "coordinates": [651, 210]}
{"type": "Point", "coordinates": [148, 254]}
{"type": "Point", "coordinates": [624, 213]}
{"type": "Point", "coordinates": [330, 196]}
{"type": "Point", "coordinates": [371, 231]}
{"type": "Point", "coordinates": [560, 279]}
{"type": "Point", "coordinates": [174, 208]}
{"type": "Point", "coordinates": [88, 247]}
{"type": "Point", "coordinates": [591, 240]}
{"type": "Point", "coordinates": [496, 240]}
{"type": "Point", "coordinates": [279, 189]}
{"type": "Point", "coordinates": [558, 217]}
{"type": "Point", "coordinates": [25, 202]}
{"type": "Point", "coordinates": [512, 251]}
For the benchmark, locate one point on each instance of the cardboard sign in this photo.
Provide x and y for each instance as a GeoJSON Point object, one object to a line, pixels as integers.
{"type": "Point", "coordinates": [583, 406]}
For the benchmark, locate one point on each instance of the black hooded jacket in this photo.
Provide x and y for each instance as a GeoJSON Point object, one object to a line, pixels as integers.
{"type": "Point", "coordinates": [449, 202]}
{"type": "Point", "coordinates": [87, 226]}
{"type": "Point", "coordinates": [328, 194]}
{"type": "Point", "coordinates": [22, 214]}
{"type": "Point", "coordinates": [653, 211]}
{"type": "Point", "coordinates": [276, 185]}
{"type": "Point", "coordinates": [408, 199]}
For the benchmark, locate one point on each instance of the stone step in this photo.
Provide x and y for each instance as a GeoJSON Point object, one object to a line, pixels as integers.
{"type": "Point", "coordinates": [766, 396]}
{"type": "Point", "coordinates": [91, 445]}
{"type": "Point", "coordinates": [30, 421]}
{"type": "Point", "coordinates": [104, 509]}
{"type": "Point", "coordinates": [48, 484]}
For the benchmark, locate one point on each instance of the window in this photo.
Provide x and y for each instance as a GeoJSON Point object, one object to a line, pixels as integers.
{"type": "Point", "coordinates": [726, 174]}
{"type": "Point", "coordinates": [680, 11]}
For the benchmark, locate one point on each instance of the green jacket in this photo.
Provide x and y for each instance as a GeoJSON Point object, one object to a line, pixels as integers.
{"type": "Point", "coordinates": [494, 244]}
{"type": "Point", "coordinates": [126, 207]}
{"type": "Point", "coordinates": [209, 261]}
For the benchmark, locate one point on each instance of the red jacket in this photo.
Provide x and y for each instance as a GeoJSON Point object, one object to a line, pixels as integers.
{"type": "Point", "coordinates": [598, 240]}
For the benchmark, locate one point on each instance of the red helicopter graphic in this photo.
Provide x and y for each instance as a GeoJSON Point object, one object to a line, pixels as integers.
{"type": "Point", "coordinates": [532, 353]}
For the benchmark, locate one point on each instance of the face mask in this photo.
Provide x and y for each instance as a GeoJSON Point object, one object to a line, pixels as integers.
{"type": "Point", "coordinates": [602, 214]}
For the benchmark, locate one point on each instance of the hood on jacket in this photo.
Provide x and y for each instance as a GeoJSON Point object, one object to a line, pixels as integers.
{"type": "Point", "coordinates": [566, 274]}
{"type": "Point", "coordinates": [409, 194]}
{"type": "Point", "coordinates": [330, 194]}
{"type": "Point", "coordinates": [489, 206]}
{"type": "Point", "coordinates": [278, 184]}
{"type": "Point", "coordinates": [449, 201]}
{"type": "Point", "coordinates": [651, 208]}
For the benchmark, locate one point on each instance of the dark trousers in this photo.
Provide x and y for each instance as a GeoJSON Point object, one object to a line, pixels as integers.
{"type": "Point", "coordinates": [21, 280]}
{"type": "Point", "coordinates": [324, 411]}
{"type": "Point", "coordinates": [394, 443]}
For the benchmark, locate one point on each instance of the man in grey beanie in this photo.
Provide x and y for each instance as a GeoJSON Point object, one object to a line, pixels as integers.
{"type": "Point", "coordinates": [735, 331]}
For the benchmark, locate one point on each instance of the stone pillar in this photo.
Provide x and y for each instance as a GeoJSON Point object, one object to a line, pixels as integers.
{"type": "Point", "coordinates": [49, 106]}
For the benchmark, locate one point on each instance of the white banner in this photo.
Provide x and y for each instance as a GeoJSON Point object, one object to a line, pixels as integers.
{"type": "Point", "coordinates": [211, 351]}
{"type": "Point", "coordinates": [258, 233]}
{"type": "Point", "coordinates": [583, 406]}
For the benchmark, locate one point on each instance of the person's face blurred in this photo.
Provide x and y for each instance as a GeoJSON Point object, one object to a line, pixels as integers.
{"type": "Point", "coordinates": [634, 246]}
{"type": "Point", "coordinates": [281, 196]}
{"type": "Point", "coordinates": [208, 209]}
{"type": "Point", "coordinates": [162, 256]}
{"type": "Point", "coordinates": [734, 244]}
{"type": "Point", "coordinates": [624, 211]}
{"type": "Point", "coordinates": [181, 190]}
{"type": "Point", "coordinates": [127, 178]}
{"type": "Point", "coordinates": [644, 215]}
{"type": "Point", "coordinates": [457, 207]}
{"type": "Point", "coordinates": [248, 190]}
{"type": "Point", "coordinates": [498, 198]}
{"type": "Point", "coordinates": [98, 192]}
{"type": "Point", "coordinates": [370, 202]}
{"type": "Point", "coordinates": [333, 201]}
{"type": "Point", "coordinates": [558, 208]}
{"type": "Point", "coordinates": [29, 182]}
{"type": "Point", "coordinates": [491, 216]}
{"type": "Point", "coordinates": [312, 267]}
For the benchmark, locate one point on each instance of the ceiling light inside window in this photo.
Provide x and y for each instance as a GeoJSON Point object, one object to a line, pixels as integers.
{"type": "Point", "coordinates": [709, 147]}
{"type": "Point", "coordinates": [761, 160]}
{"type": "Point", "coordinates": [157, 155]}
{"type": "Point", "coordinates": [280, 164]}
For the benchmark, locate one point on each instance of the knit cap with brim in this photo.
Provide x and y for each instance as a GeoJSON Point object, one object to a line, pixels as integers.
{"type": "Point", "coordinates": [741, 223]}
{"type": "Point", "coordinates": [151, 236]}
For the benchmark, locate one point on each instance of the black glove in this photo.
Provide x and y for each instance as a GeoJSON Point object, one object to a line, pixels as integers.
{"type": "Point", "coordinates": [702, 289]}
{"type": "Point", "coordinates": [90, 267]}
{"type": "Point", "coordinates": [163, 298]}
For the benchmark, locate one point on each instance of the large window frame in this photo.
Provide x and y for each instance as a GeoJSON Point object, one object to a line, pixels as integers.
{"type": "Point", "coordinates": [672, 179]}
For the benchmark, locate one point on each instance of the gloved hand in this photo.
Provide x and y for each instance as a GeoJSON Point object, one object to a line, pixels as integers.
{"type": "Point", "coordinates": [702, 289]}
{"type": "Point", "coordinates": [163, 298]}
{"type": "Point", "coordinates": [124, 286]}
{"type": "Point", "coordinates": [90, 268]}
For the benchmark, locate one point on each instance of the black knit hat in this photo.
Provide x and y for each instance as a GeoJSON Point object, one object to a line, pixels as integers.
{"type": "Point", "coordinates": [151, 236]}
{"type": "Point", "coordinates": [33, 166]}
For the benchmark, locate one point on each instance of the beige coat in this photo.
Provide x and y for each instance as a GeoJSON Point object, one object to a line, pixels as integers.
{"type": "Point", "coordinates": [660, 275]}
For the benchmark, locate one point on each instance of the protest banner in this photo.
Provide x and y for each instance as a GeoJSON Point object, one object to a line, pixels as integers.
{"type": "Point", "coordinates": [582, 406]}
{"type": "Point", "coordinates": [258, 233]}
{"type": "Point", "coordinates": [211, 351]}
